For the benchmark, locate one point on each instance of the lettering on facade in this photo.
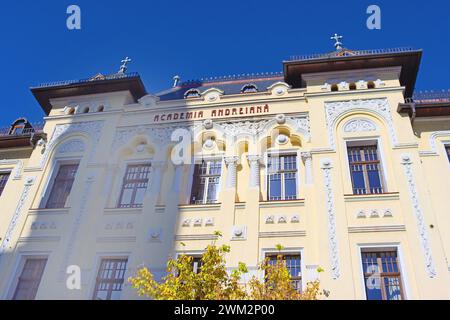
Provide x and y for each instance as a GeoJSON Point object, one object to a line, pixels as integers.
{"type": "Point", "coordinates": [215, 113]}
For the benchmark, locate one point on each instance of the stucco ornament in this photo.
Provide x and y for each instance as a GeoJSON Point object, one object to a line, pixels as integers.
{"type": "Point", "coordinates": [239, 233]}
{"type": "Point", "coordinates": [326, 166]}
{"type": "Point", "coordinates": [420, 219]}
{"type": "Point", "coordinates": [29, 182]}
{"type": "Point", "coordinates": [359, 125]}
{"type": "Point", "coordinates": [380, 107]}
{"type": "Point", "coordinates": [208, 124]}
{"type": "Point", "coordinates": [282, 139]}
{"type": "Point", "coordinates": [281, 118]}
{"type": "Point", "coordinates": [72, 146]}
{"type": "Point", "coordinates": [91, 128]}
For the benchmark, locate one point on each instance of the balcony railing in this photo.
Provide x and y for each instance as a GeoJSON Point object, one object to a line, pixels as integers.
{"type": "Point", "coordinates": [430, 96]}
{"type": "Point", "coordinates": [94, 79]}
{"type": "Point", "coordinates": [352, 53]}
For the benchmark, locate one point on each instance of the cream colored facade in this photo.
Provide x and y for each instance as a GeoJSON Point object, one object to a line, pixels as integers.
{"type": "Point", "coordinates": [327, 224]}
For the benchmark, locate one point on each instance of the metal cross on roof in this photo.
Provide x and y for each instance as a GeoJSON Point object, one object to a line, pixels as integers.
{"type": "Point", "coordinates": [338, 44]}
{"type": "Point", "coordinates": [123, 67]}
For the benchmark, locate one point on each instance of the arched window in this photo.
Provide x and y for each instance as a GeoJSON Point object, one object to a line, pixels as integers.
{"type": "Point", "coordinates": [101, 108]}
{"type": "Point", "coordinates": [334, 87]}
{"type": "Point", "coordinates": [352, 86]}
{"type": "Point", "coordinates": [192, 93]}
{"type": "Point", "coordinates": [249, 88]}
{"type": "Point", "coordinates": [85, 110]}
{"type": "Point", "coordinates": [370, 85]}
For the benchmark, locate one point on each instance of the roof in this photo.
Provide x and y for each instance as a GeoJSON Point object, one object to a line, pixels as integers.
{"type": "Point", "coordinates": [98, 84]}
{"type": "Point", "coordinates": [407, 58]}
{"type": "Point", "coordinates": [227, 84]}
{"type": "Point", "coordinates": [27, 137]}
{"type": "Point", "coordinates": [427, 104]}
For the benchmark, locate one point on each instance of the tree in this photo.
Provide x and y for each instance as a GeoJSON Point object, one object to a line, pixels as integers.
{"type": "Point", "coordinates": [213, 282]}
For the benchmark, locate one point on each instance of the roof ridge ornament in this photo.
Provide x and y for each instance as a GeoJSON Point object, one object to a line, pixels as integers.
{"type": "Point", "coordinates": [123, 67]}
{"type": "Point", "coordinates": [338, 44]}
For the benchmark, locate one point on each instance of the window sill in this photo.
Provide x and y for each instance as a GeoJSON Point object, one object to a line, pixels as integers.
{"type": "Point", "coordinates": [45, 211]}
{"type": "Point", "coordinates": [199, 207]}
{"type": "Point", "coordinates": [372, 197]}
{"type": "Point", "coordinates": [282, 203]}
{"type": "Point", "coordinates": [122, 210]}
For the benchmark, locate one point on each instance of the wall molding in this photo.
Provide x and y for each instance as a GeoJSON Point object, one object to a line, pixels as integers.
{"type": "Point", "coordinates": [16, 174]}
{"type": "Point", "coordinates": [6, 242]}
{"type": "Point", "coordinates": [326, 166]}
{"type": "Point", "coordinates": [369, 229]}
{"type": "Point", "coordinates": [282, 234]}
{"type": "Point", "coordinates": [420, 220]}
{"type": "Point", "coordinates": [335, 110]}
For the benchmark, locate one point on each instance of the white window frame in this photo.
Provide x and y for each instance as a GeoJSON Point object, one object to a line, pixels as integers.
{"type": "Point", "coordinates": [445, 144]}
{"type": "Point", "coordinates": [98, 262]}
{"type": "Point", "coordinates": [283, 152]}
{"type": "Point", "coordinates": [18, 268]}
{"type": "Point", "coordinates": [190, 253]}
{"type": "Point", "coordinates": [384, 174]}
{"type": "Point", "coordinates": [123, 170]}
{"type": "Point", "coordinates": [384, 246]}
{"type": "Point", "coordinates": [198, 160]}
{"type": "Point", "coordinates": [6, 171]}
{"type": "Point", "coordinates": [287, 251]}
{"type": "Point", "coordinates": [56, 165]}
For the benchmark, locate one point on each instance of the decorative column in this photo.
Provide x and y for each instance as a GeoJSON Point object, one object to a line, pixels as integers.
{"type": "Point", "coordinates": [254, 170]}
{"type": "Point", "coordinates": [6, 243]}
{"type": "Point", "coordinates": [231, 163]}
{"type": "Point", "coordinates": [307, 160]}
{"type": "Point", "coordinates": [156, 177]}
{"type": "Point", "coordinates": [326, 166]}
{"type": "Point", "coordinates": [420, 221]}
{"type": "Point", "coordinates": [177, 179]}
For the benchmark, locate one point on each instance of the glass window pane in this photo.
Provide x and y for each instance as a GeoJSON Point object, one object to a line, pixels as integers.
{"type": "Point", "coordinates": [206, 175]}
{"type": "Point", "coordinates": [62, 185]}
{"type": "Point", "coordinates": [359, 186]}
{"type": "Point", "coordinates": [30, 279]}
{"type": "Point", "coordinates": [3, 180]}
{"type": "Point", "coordinates": [134, 185]}
{"type": "Point", "coordinates": [365, 169]}
{"type": "Point", "coordinates": [382, 275]}
{"type": "Point", "coordinates": [126, 197]}
{"type": "Point", "coordinates": [139, 198]}
{"type": "Point", "coordinates": [290, 188]}
{"type": "Point", "coordinates": [275, 187]}
{"type": "Point", "coordinates": [392, 287]}
{"type": "Point", "coordinates": [374, 179]}
{"type": "Point", "coordinates": [110, 279]}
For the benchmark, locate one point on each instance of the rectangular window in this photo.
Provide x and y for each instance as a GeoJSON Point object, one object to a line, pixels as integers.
{"type": "Point", "coordinates": [206, 182]}
{"type": "Point", "coordinates": [294, 266]}
{"type": "Point", "coordinates": [110, 279]}
{"type": "Point", "coordinates": [29, 279]}
{"type": "Point", "coordinates": [197, 263]}
{"type": "Point", "coordinates": [135, 183]}
{"type": "Point", "coordinates": [382, 277]}
{"type": "Point", "coordinates": [365, 169]}
{"type": "Point", "coordinates": [62, 186]}
{"type": "Point", "coordinates": [4, 176]}
{"type": "Point", "coordinates": [282, 177]}
{"type": "Point", "coordinates": [447, 149]}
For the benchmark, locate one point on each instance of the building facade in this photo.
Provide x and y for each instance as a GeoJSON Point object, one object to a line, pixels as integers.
{"type": "Point", "coordinates": [334, 158]}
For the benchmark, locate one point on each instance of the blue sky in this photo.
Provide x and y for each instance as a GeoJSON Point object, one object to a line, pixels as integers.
{"type": "Point", "coordinates": [200, 38]}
